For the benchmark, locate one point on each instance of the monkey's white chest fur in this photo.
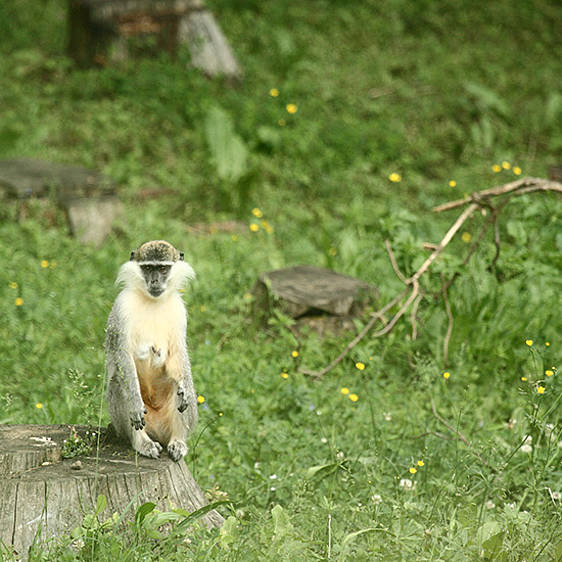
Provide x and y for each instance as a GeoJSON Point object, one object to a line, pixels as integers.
{"type": "Point", "coordinates": [153, 326]}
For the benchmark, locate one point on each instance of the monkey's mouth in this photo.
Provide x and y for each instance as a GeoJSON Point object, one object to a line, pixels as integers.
{"type": "Point", "coordinates": [155, 292]}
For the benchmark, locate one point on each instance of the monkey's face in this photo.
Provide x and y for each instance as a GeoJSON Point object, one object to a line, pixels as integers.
{"type": "Point", "coordinates": [156, 277]}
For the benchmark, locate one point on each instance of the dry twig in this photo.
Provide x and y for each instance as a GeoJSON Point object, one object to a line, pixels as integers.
{"type": "Point", "coordinates": [480, 199]}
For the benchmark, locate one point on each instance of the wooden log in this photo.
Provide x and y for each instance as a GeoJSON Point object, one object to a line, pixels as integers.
{"type": "Point", "coordinates": [45, 495]}
{"type": "Point", "coordinates": [87, 197]}
{"type": "Point", "coordinates": [100, 30]}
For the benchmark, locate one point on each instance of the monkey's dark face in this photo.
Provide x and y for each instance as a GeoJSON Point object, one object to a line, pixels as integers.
{"type": "Point", "coordinates": [156, 277]}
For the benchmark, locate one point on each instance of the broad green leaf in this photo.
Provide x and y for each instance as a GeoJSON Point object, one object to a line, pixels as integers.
{"type": "Point", "coordinates": [143, 510]}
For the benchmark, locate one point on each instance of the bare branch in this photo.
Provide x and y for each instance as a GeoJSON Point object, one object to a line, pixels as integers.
{"type": "Point", "coordinates": [446, 239]}
{"type": "Point", "coordinates": [524, 185]}
{"type": "Point", "coordinates": [393, 262]}
{"type": "Point", "coordinates": [477, 200]}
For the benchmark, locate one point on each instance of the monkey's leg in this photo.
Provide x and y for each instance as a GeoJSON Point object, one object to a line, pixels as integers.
{"type": "Point", "coordinates": [177, 448]}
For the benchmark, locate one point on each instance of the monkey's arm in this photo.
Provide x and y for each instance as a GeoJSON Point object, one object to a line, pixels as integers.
{"type": "Point", "coordinates": [122, 372]}
{"type": "Point", "coordinates": [178, 367]}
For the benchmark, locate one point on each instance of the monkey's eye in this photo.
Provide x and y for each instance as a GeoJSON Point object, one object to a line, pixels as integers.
{"type": "Point", "coordinates": [164, 268]}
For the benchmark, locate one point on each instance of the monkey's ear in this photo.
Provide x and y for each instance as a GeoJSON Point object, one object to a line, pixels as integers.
{"type": "Point", "coordinates": [132, 256]}
{"type": "Point", "coordinates": [181, 256]}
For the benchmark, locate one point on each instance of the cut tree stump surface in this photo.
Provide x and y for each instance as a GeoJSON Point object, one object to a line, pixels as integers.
{"type": "Point", "coordinates": [43, 494]}
{"type": "Point", "coordinates": [306, 289]}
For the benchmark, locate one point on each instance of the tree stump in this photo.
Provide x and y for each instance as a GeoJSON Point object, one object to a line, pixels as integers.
{"type": "Point", "coordinates": [45, 495]}
{"type": "Point", "coordinates": [87, 197]}
{"type": "Point", "coordinates": [319, 298]}
{"type": "Point", "coordinates": [108, 29]}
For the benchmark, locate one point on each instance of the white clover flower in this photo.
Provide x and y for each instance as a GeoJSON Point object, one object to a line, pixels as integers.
{"type": "Point", "coordinates": [407, 484]}
{"type": "Point", "coordinates": [376, 499]}
{"type": "Point", "coordinates": [526, 448]}
{"type": "Point", "coordinates": [490, 504]}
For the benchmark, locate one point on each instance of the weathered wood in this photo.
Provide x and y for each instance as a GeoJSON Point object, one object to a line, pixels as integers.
{"type": "Point", "coordinates": [209, 49]}
{"type": "Point", "coordinates": [304, 292]}
{"type": "Point", "coordinates": [23, 177]}
{"type": "Point", "coordinates": [91, 219]}
{"type": "Point", "coordinates": [87, 197]}
{"type": "Point", "coordinates": [99, 31]}
{"type": "Point", "coordinates": [43, 495]}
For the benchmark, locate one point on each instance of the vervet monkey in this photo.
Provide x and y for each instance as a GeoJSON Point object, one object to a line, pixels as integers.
{"type": "Point", "coordinates": [151, 396]}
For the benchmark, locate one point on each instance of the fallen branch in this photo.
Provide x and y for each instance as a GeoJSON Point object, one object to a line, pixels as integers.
{"type": "Point", "coordinates": [478, 200]}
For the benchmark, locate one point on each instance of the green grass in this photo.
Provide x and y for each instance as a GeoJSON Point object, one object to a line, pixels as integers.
{"type": "Point", "coordinates": [428, 90]}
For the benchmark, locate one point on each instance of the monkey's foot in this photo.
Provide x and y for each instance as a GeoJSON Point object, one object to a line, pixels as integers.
{"type": "Point", "coordinates": [145, 446]}
{"type": "Point", "coordinates": [177, 449]}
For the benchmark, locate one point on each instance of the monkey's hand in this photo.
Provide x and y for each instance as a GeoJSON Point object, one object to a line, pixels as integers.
{"type": "Point", "coordinates": [183, 397]}
{"type": "Point", "coordinates": [137, 417]}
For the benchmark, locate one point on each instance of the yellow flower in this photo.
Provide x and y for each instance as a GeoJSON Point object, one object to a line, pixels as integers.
{"type": "Point", "coordinates": [285, 375]}
{"type": "Point", "coordinates": [353, 397]}
{"type": "Point", "coordinates": [294, 353]}
{"type": "Point", "coordinates": [344, 390]}
{"type": "Point", "coordinates": [254, 227]}
{"type": "Point", "coordinates": [18, 301]}
{"type": "Point", "coordinates": [44, 263]}
{"type": "Point", "coordinates": [466, 237]}
{"type": "Point", "coordinates": [274, 92]}
{"type": "Point", "coordinates": [413, 470]}
{"type": "Point", "coordinates": [517, 170]}
{"type": "Point", "coordinates": [452, 183]}
{"type": "Point", "coordinates": [220, 414]}
{"type": "Point", "coordinates": [446, 375]}
{"type": "Point", "coordinates": [282, 122]}
{"type": "Point", "coordinates": [541, 389]}
{"type": "Point", "coordinates": [257, 213]}
{"type": "Point", "coordinates": [235, 238]}
{"type": "Point", "coordinates": [549, 372]}
{"type": "Point", "coordinates": [360, 366]}
{"type": "Point", "coordinates": [524, 379]}
{"type": "Point", "coordinates": [39, 405]}
{"type": "Point", "coordinates": [506, 165]}
{"type": "Point", "coordinates": [496, 168]}
{"type": "Point", "coordinates": [292, 108]}
{"type": "Point", "coordinates": [420, 463]}
{"type": "Point", "coordinates": [529, 342]}
{"type": "Point", "coordinates": [267, 227]}
{"type": "Point", "coordinates": [13, 285]}
{"type": "Point", "coordinates": [547, 343]}
{"type": "Point", "coordinates": [394, 177]}
{"type": "Point", "coordinates": [200, 399]}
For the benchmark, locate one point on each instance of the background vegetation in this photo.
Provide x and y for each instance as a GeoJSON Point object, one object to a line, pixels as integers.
{"type": "Point", "coordinates": [432, 91]}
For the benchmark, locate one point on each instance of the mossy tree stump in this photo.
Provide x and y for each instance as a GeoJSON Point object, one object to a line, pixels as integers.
{"type": "Point", "coordinates": [44, 495]}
